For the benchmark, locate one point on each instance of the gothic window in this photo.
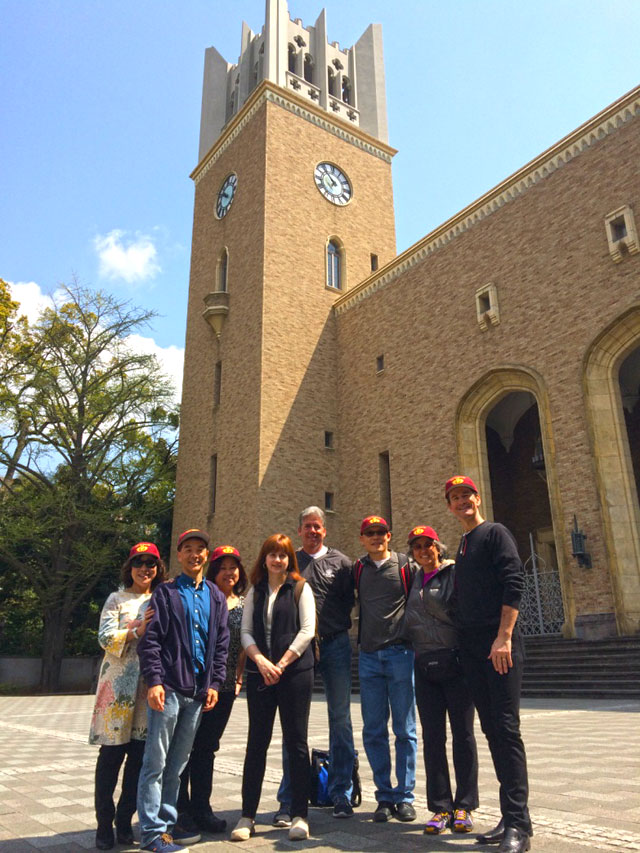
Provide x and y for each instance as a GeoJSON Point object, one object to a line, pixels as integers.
{"type": "Point", "coordinates": [308, 68]}
{"type": "Point", "coordinates": [334, 265]}
{"type": "Point", "coordinates": [292, 58]}
{"type": "Point", "coordinates": [223, 270]}
{"type": "Point", "coordinates": [333, 82]}
{"type": "Point", "coordinates": [346, 90]}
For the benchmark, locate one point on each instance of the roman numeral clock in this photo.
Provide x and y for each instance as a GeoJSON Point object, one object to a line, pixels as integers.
{"type": "Point", "coordinates": [332, 183]}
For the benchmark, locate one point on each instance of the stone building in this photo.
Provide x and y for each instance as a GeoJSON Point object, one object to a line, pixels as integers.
{"type": "Point", "coordinates": [322, 368]}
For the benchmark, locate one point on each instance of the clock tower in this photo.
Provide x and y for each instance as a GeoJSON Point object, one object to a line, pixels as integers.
{"type": "Point", "coordinates": [293, 206]}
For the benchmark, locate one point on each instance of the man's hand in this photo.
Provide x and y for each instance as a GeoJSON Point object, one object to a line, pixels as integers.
{"type": "Point", "coordinates": [155, 697]}
{"type": "Point", "coordinates": [500, 654]}
{"type": "Point", "coordinates": [210, 701]}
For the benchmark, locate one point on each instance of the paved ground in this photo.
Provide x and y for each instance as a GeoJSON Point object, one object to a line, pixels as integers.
{"type": "Point", "coordinates": [584, 762]}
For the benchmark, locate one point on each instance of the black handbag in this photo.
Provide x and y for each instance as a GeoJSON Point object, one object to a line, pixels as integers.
{"type": "Point", "coordinates": [440, 665]}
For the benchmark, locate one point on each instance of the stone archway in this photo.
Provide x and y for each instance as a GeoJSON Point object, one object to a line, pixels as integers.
{"type": "Point", "coordinates": [471, 422]}
{"type": "Point", "coordinates": [614, 468]}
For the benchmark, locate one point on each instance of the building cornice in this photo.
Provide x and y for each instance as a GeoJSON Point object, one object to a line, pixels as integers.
{"type": "Point", "coordinates": [601, 125]}
{"type": "Point", "coordinates": [268, 91]}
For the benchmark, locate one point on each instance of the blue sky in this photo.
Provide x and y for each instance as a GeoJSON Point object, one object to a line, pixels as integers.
{"type": "Point", "coordinates": [100, 103]}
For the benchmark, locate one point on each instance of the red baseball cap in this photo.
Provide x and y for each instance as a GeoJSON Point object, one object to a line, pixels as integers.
{"type": "Point", "coordinates": [417, 532]}
{"type": "Point", "coordinates": [144, 548]}
{"type": "Point", "coordinates": [459, 480]}
{"type": "Point", "coordinates": [224, 551]}
{"type": "Point", "coordinates": [193, 533]}
{"type": "Point", "coordinates": [373, 521]}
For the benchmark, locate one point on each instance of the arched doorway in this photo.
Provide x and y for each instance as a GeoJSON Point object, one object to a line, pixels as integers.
{"type": "Point", "coordinates": [517, 469]}
{"type": "Point", "coordinates": [610, 369]}
{"type": "Point", "coordinates": [505, 443]}
{"type": "Point", "coordinates": [629, 378]}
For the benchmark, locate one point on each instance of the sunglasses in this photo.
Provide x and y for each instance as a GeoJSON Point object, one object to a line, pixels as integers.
{"type": "Point", "coordinates": [379, 532]}
{"type": "Point", "coordinates": [139, 562]}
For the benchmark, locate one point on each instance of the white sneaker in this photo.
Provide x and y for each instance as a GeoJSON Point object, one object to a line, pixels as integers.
{"type": "Point", "coordinates": [244, 829]}
{"type": "Point", "coordinates": [299, 829]}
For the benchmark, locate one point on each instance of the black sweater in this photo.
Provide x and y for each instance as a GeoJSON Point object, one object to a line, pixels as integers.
{"type": "Point", "coordinates": [489, 574]}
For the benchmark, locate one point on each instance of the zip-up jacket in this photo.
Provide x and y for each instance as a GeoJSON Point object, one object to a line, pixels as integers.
{"type": "Point", "coordinates": [429, 614]}
{"type": "Point", "coordinates": [165, 648]}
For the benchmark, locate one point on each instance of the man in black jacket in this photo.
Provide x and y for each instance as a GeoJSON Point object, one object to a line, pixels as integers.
{"type": "Point", "coordinates": [328, 573]}
{"type": "Point", "coordinates": [490, 583]}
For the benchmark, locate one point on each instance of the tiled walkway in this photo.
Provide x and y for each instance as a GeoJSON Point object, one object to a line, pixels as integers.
{"type": "Point", "coordinates": [584, 766]}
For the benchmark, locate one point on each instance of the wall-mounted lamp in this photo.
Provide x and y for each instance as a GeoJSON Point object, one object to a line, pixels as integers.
{"type": "Point", "coordinates": [578, 546]}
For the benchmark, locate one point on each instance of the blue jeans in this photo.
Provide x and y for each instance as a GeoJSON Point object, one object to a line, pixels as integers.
{"type": "Point", "coordinates": [386, 682]}
{"type": "Point", "coordinates": [169, 741]}
{"type": "Point", "coordinates": [335, 668]}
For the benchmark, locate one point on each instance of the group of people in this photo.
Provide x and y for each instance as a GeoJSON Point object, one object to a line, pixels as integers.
{"type": "Point", "coordinates": [440, 634]}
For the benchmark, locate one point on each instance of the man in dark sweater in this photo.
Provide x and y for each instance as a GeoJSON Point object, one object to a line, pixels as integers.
{"type": "Point", "coordinates": [328, 573]}
{"type": "Point", "coordinates": [183, 656]}
{"type": "Point", "coordinates": [383, 579]}
{"type": "Point", "coordinates": [489, 585]}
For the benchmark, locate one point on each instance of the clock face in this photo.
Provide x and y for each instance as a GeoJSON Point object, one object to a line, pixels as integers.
{"type": "Point", "coordinates": [225, 196]}
{"type": "Point", "coordinates": [332, 183]}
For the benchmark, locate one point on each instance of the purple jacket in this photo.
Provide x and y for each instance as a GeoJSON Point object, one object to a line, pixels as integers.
{"type": "Point", "coordinates": [165, 648]}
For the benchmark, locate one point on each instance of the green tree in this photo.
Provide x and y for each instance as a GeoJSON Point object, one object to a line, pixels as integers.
{"type": "Point", "coordinates": [87, 443]}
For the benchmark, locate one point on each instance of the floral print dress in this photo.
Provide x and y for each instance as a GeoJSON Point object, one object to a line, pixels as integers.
{"type": "Point", "coordinates": [120, 712]}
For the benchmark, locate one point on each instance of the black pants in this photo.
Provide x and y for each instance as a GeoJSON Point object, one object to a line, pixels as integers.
{"type": "Point", "coordinates": [292, 698]}
{"type": "Point", "coordinates": [108, 766]}
{"type": "Point", "coordinates": [435, 700]}
{"type": "Point", "coordinates": [497, 698]}
{"type": "Point", "coordinates": [197, 776]}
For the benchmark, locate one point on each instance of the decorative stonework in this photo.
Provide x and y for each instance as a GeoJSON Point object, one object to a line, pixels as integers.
{"type": "Point", "coordinates": [622, 235]}
{"type": "Point", "coordinates": [216, 309]}
{"type": "Point", "coordinates": [599, 127]}
{"type": "Point", "coordinates": [487, 308]}
{"type": "Point", "coordinates": [298, 106]}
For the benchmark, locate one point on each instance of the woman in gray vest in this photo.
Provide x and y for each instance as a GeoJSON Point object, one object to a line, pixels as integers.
{"type": "Point", "coordinates": [440, 686]}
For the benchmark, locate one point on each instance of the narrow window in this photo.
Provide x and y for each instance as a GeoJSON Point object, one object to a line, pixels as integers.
{"type": "Point", "coordinates": [385, 486]}
{"type": "Point", "coordinates": [308, 68]}
{"type": "Point", "coordinates": [292, 59]}
{"type": "Point", "coordinates": [223, 268]}
{"type": "Point", "coordinates": [618, 229]}
{"type": "Point", "coordinates": [328, 501]}
{"type": "Point", "coordinates": [379, 363]}
{"type": "Point", "coordinates": [217, 383]}
{"type": "Point", "coordinates": [333, 82]}
{"type": "Point", "coordinates": [346, 90]}
{"type": "Point", "coordinates": [334, 271]}
{"type": "Point", "coordinates": [374, 262]}
{"type": "Point", "coordinates": [214, 483]}
{"type": "Point", "coordinates": [328, 439]}
{"type": "Point", "coordinates": [484, 303]}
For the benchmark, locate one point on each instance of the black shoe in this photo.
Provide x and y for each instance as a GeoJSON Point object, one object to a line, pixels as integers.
{"type": "Point", "coordinates": [342, 808]}
{"type": "Point", "coordinates": [405, 812]}
{"type": "Point", "coordinates": [210, 823]}
{"type": "Point", "coordinates": [104, 837]}
{"type": "Point", "coordinates": [494, 836]}
{"type": "Point", "coordinates": [384, 812]}
{"type": "Point", "coordinates": [515, 841]}
{"type": "Point", "coordinates": [124, 833]}
{"type": "Point", "coordinates": [185, 830]}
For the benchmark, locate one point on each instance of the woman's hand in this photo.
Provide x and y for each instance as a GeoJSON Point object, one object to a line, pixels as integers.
{"type": "Point", "coordinates": [144, 622]}
{"type": "Point", "coordinates": [269, 671]}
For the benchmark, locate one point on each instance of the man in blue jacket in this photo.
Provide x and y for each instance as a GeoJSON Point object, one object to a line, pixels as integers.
{"type": "Point", "coordinates": [183, 657]}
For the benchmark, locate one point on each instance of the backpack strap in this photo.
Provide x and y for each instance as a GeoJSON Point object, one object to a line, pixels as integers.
{"type": "Point", "coordinates": [357, 573]}
{"type": "Point", "coordinates": [297, 591]}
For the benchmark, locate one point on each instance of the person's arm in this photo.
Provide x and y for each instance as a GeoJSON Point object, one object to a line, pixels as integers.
{"type": "Point", "coordinates": [268, 670]}
{"type": "Point", "coordinates": [221, 651]}
{"type": "Point", "coordinates": [500, 654]}
{"type": "Point", "coordinates": [150, 646]}
{"type": "Point", "coordinates": [307, 618]}
{"type": "Point", "coordinates": [111, 636]}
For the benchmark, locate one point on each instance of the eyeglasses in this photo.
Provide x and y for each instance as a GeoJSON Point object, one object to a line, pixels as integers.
{"type": "Point", "coordinates": [139, 562]}
{"type": "Point", "coordinates": [378, 532]}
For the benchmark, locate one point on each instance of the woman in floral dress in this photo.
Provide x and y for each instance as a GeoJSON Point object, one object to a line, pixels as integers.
{"type": "Point", "coordinates": [119, 721]}
{"type": "Point", "coordinates": [227, 572]}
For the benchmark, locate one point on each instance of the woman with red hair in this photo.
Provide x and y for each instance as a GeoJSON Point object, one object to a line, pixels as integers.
{"type": "Point", "coordinates": [278, 624]}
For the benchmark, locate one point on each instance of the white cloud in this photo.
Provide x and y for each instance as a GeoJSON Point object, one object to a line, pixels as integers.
{"type": "Point", "coordinates": [31, 298]}
{"type": "Point", "coordinates": [133, 259]}
{"type": "Point", "coordinates": [171, 359]}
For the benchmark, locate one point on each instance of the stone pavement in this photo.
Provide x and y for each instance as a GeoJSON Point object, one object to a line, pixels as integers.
{"type": "Point", "coordinates": [584, 763]}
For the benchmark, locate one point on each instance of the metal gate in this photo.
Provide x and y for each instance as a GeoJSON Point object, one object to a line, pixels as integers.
{"type": "Point", "coordinates": [541, 609]}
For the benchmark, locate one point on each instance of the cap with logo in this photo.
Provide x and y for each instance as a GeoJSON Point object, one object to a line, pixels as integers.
{"type": "Point", "coordinates": [373, 521]}
{"type": "Point", "coordinates": [224, 551]}
{"type": "Point", "coordinates": [459, 480]}
{"type": "Point", "coordinates": [418, 532]}
{"type": "Point", "coordinates": [193, 533]}
{"type": "Point", "coordinates": [143, 548]}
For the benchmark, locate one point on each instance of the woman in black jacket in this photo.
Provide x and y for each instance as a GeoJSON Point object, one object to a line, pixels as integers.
{"type": "Point", "coordinates": [440, 686]}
